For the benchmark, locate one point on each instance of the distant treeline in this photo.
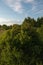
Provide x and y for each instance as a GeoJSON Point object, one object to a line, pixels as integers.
{"type": "Point", "coordinates": [22, 44]}
{"type": "Point", "coordinates": [35, 23]}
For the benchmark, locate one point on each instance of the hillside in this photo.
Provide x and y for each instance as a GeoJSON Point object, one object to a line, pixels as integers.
{"type": "Point", "coordinates": [22, 44]}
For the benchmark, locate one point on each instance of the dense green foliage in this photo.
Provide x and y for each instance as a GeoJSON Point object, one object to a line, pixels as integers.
{"type": "Point", "coordinates": [22, 44]}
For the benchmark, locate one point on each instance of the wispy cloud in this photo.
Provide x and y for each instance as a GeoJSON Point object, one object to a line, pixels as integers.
{"type": "Point", "coordinates": [16, 5]}
{"type": "Point", "coordinates": [28, 1]}
{"type": "Point", "coordinates": [38, 12]}
{"type": "Point", "coordinates": [36, 7]}
{"type": "Point", "coordinates": [19, 7]}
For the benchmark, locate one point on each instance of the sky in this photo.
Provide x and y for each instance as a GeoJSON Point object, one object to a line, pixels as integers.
{"type": "Point", "coordinates": [15, 11]}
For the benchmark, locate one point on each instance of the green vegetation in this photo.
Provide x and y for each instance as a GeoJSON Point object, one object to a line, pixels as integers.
{"type": "Point", "coordinates": [22, 44]}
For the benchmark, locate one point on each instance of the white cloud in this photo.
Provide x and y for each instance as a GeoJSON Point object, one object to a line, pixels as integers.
{"type": "Point", "coordinates": [15, 5]}
{"type": "Point", "coordinates": [8, 21]}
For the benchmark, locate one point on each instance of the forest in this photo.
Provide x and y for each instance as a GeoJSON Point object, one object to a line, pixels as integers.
{"type": "Point", "coordinates": [22, 44]}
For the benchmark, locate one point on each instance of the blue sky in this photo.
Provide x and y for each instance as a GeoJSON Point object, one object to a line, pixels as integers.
{"type": "Point", "coordinates": [14, 11]}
